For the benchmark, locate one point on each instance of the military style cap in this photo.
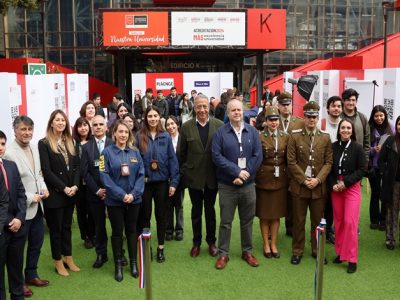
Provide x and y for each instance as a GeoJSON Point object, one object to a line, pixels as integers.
{"type": "Point", "coordinates": [271, 112]}
{"type": "Point", "coordinates": [311, 109]}
{"type": "Point", "coordinates": [285, 98]}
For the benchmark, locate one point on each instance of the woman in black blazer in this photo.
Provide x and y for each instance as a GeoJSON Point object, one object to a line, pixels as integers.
{"type": "Point", "coordinates": [60, 167]}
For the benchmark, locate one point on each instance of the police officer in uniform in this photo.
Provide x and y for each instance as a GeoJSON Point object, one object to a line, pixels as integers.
{"type": "Point", "coordinates": [287, 123]}
{"type": "Point", "coordinates": [309, 155]}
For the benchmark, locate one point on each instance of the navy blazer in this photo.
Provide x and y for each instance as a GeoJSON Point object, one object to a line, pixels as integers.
{"type": "Point", "coordinates": [89, 171]}
{"type": "Point", "coordinates": [4, 200]}
{"type": "Point", "coordinates": [16, 192]}
{"type": "Point", "coordinates": [58, 175]}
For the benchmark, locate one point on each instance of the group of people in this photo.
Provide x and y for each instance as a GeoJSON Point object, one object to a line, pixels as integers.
{"type": "Point", "coordinates": [279, 168]}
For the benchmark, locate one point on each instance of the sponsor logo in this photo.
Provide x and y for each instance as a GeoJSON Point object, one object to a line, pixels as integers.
{"type": "Point", "coordinates": [164, 83]}
{"type": "Point", "coordinates": [136, 21]}
{"type": "Point", "coordinates": [201, 83]}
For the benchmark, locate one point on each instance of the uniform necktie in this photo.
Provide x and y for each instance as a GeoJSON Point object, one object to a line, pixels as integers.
{"type": "Point", "coordinates": [286, 121]}
{"type": "Point", "coordinates": [3, 170]}
{"type": "Point", "coordinates": [100, 145]}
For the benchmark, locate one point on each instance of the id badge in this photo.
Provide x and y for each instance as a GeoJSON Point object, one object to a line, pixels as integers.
{"type": "Point", "coordinates": [124, 170]}
{"type": "Point", "coordinates": [242, 162]}
{"type": "Point", "coordinates": [308, 172]}
{"type": "Point", "coordinates": [276, 173]}
{"type": "Point", "coordinates": [96, 163]}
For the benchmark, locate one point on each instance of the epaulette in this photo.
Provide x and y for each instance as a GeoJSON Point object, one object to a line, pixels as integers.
{"type": "Point", "coordinates": [324, 131]}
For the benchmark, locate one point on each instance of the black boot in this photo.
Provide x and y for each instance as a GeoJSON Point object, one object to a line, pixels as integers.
{"type": "Point", "coordinates": [116, 243]}
{"type": "Point", "coordinates": [160, 255]}
{"type": "Point", "coordinates": [132, 250]}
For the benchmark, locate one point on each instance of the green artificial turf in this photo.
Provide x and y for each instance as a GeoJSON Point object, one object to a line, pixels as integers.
{"type": "Point", "coordinates": [184, 277]}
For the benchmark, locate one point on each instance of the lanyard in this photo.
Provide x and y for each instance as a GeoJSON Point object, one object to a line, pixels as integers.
{"type": "Point", "coordinates": [341, 157]}
{"type": "Point", "coordinates": [285, 128]}
{"type": "Point", "coordinates": [275, 138]}
{"type": "Point", "coordinates": [239, 137]}
{"type": "Point", "coordinates": [311, 148]}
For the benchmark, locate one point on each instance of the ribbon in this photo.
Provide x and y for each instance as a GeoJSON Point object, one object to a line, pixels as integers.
{"type": "Point", "coordinates": [143, 238]}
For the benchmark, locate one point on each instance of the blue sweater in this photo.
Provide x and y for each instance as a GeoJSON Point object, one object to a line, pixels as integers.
{"type": "Point", "coordinates": [117, 186]}
{"type": "Point", "coordinates": [162, 150]}
{"type": "Point", "coordinates": [225, 153]}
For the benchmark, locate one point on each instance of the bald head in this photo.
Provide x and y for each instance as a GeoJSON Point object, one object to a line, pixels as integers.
{"type": "Point", "coordinates": [235, 111]}
{"type": "Point", "coordinates": [99, 126]}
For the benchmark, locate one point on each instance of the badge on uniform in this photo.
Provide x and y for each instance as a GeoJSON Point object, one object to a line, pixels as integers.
{"type": "Point", "coordinates": [124, 170]}
{"type": "Point", "coordinates": [276, 173]}
{"type": "Point", "coordinates": [102, 167]}
{"type": "Point", "coordinates": [242, 162]}
{"type": "Point", "coordinates": [154, 165]}
{"type": "Point", "coordinates": [133, 159]}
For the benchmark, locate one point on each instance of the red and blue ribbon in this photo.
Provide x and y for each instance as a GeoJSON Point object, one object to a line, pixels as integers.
{"type": "Point", "coordinates": [143, 239]}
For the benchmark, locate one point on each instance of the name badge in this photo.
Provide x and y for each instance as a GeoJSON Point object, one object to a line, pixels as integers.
{"type": "Point", "coordinates": [96, 163]}
{"type": "Point", "coordinates": [276, 173]}
{"type": "Point", "coordinates": [308, 172]}
{"type": "Point", "coordinates": [242, 162]}
{"type": "Point", "coordinates": [124, 170]}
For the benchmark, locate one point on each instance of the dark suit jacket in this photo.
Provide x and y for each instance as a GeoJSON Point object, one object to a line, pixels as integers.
{"type": "Point", "coordinates": [17, 197]}
{"type": "Point", "coordinates": [4, 200]}
{"type": "Point", "coordinates": [57, 176]}
{"type": "Point", "coordinates": [197, 167]}
{"type": "Point", "coordinates": [89, 171]}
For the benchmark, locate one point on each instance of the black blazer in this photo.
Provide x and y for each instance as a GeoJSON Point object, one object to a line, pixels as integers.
{"type": "Point", "coordinates": [89, 171]}
{"type": "Point", "coordinates": [57, 176]}
{"type": "Point", "coordinates": [4, 200]}
{"type": "Point", "coordinates": [17, 197]}
{"type": "Point", "coordinates": [353, 164]}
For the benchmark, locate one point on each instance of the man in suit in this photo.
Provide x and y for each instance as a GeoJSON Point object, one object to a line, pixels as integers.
{"type": "Point", "coordinates": [309, 155]}
{"type": "Point", "coordinates": [96, 98]}
{"type": "Point", "coordinates": [96, 191]}
{"type": "Point", "coordinates": [14, 233]}
{"type": "Point", "coordinates": [198, 171]}
{"type": "Point", "coordinates": [26, 157]}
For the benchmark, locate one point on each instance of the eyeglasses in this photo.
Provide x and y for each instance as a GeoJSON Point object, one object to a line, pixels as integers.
{"type": "Point", "coordinates": [311, 117]}
{"type": "Point", "coordinates": [97, 124]}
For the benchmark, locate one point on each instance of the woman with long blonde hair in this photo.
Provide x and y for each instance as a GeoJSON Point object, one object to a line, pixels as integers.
{"type": "Point", "coordinates": [60, 167]}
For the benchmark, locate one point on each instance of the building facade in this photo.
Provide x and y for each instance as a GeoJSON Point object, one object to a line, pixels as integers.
{"type": "Point", "coordinates": [315, 29]}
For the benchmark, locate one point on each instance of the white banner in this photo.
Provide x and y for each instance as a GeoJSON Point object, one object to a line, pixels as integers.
{"type": "Point", "coordinates": [208, 28]}
{"type": "Point", "coordinates": [8, 82]}
{"type": "Point", "coordinates": [78, 93]}
{"type": "Point", "coordinates": [391, 92]}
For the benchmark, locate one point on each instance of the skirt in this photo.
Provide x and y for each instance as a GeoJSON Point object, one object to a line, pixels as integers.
{"type": "Point", "coordinates": [271, 204]}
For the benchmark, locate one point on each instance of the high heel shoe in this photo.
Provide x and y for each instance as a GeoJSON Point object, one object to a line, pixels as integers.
{"type": "Point", "coordinates": [276, 254]}
{"type": "Point", "coordinates": [60, 269]}
{"type": "Point", "coordinates": [267, 254]}
{"type": "Point", "coordinates": [71, 264]}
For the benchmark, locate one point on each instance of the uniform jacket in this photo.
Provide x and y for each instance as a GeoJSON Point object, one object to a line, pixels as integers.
{"type": "Point", "coordinates": [225, 153]}
{"type": "Point", "coordinates": [32, 179]}
{"type": "Point", "coordinates": [265, 178]}
{"type": "Point", "coordinates": [295, 123]}
{"type": "Point", "coordinates": [17, 198]}
{"type": "Point", "coordinates": [298, 153]}
{"type": "Point", "coordinates": [118, 186]}
{"type": "Point", "coordinates": [57, 175]}
{"type": "Point", "coordinates": [162, 150]}
{"type": "Point", "coordinates": [90, 169]}
{"type": "Point", "coordinates": [197, 167]}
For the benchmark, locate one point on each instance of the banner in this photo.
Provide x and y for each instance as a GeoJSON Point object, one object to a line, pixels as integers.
{"type": "Point", "coordinates": [391, 93]}
{"type": "Point", "coordinates": [193, 28]}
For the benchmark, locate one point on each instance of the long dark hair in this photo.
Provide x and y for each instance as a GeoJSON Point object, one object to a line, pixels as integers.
{"type": "Point", "coordinates": [353, 131]}
{"type": "Point", "coordinates": [78, 123]}
{"type": "Point", "coordinates": [383, 128]}
{"type": "Point", "coordinates": [145, 130]}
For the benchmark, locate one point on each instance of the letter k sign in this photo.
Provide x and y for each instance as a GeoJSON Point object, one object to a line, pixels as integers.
{"type": "Point", "coordinates": [264, 22]}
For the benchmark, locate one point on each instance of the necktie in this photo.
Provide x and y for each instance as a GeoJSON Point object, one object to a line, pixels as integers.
{"type": "Point", "coordinates": [3, 170]}
{"type": "Point", "coordinates": [100, 145]}
{"type": "Point", "coordinates": [286, 121]}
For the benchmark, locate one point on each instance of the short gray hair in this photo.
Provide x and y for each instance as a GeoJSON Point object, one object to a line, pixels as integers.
{"type": "Point", "coordinates": [22, 119]}
{"type": "Point", "coordinates": [199, 97]}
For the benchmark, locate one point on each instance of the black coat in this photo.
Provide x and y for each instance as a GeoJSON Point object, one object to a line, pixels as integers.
{"type": "Point", "coordinates": [388, 163]}
{"type": "Point", "coordinates": [57, 176]}
{"type": "Point", "coordinates": [353, 164]}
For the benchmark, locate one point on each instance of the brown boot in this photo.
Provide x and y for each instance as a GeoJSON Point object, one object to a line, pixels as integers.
{"type": "Point", "coordinates": [70, 263]}
{"type": "Point", "coordinates": [60, 269]}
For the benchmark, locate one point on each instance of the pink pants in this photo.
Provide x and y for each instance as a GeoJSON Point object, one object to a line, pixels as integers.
{"type": "Point", "coordinates": [346, 213]}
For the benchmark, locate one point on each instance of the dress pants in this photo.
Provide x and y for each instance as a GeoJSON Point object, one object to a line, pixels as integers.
{"type": "Point", "coordinates": [300, 206]}
{"type": "Point", "coordinates": [392, 216]}
{"type": "Point", "coordinates": [175, 204]}
{"type": "Point", "coordinates": [59, 221]}
{"type": "Point", "coordinates": [35, 237]}
{"type": "Point", "coordinates": [244, 198]}
{"type": "Point", "coordinates": [98, 211]}
{"type": "Point", "coordinates": [12, 256]}
{"type": "Point", "coordinates": [84, 214]}
{"type": "Point", "coordinates": [207, 198]}
{"type": "Point", "coordinates": [289, 214]}
{"type": "Point", "coordinates": [346, 213]}
{"type": "Point", "coordinates": [377, 208]}
{"type": "Point", "coordinates": [159, 191]}
{"type": "Point", "coordinates": [328, 212]}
